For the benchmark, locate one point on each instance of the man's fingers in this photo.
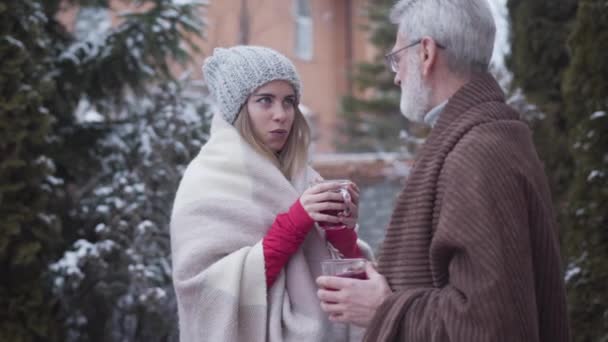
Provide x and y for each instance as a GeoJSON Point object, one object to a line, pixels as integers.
{"type": "Point", "coordinates": [328, 295]}
{"type": "Point", "coordinates": [338, 318]}
{"type": "Point", "coordinates": [332, 307]}
{"type": "Point", "coordinates": [370, 270]}
{"type": "Point", "coordinates": [336, 283]}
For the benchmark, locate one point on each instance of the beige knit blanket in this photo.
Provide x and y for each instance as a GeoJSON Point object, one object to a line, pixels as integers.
{"type": "Point", "coordinates": [228, 198]}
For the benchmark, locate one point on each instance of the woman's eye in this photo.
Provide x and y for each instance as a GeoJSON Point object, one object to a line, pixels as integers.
{"type": "Point", "coordinates": [289, 101]}
{"type": "Point", "coordinates": [265, 100]}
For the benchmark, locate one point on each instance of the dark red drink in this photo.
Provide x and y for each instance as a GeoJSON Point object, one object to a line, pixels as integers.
{"type": "Point", "coordinates": [350, 274]}
{"type": "Point", "coordinates": [354, 274]}
{"type": "Point", "coordinates": [343, 190]}
{"type": "Point", "coordinates": [331, 213]}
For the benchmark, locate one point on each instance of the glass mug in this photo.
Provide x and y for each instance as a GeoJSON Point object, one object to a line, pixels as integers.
{"type": "Point", "coordinates": [345, 268]}
{"type": "Point", "coordinates": [343, 190]}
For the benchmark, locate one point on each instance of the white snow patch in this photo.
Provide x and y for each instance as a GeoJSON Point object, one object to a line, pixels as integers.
{"type": "Point", "coordinates": [144, 226]}
{"type": "Point", "coordinates": [100, 228]}
{"type": "Point", "coordinates": [571, 272]}
{"type": "Point", "coordinates": [189, 2]}
{"type": "Point", "coordinates": [119, 203]}
{"type": "Point", "coordinates": [502, 46]}
{"type": "Point", "coordinates": [46, 162]}
{"type": "Point", "coordinates": [140, 187]}
{"type": "Point", "coordinates": [86, 113]}
{"type": "Point", "coordinates": [597, 115]}
{"type": "Point", "coordinates": [103, 191]}
{"type": "Point", "coordinates": [93, 24]}
{"type": "Point", "coordinates": [14, 42]}
{"type": "Point", "coordinates": [594, 174]}
{"type": "Point", "coordinates": [54, 180]}
{"type": "Point", "coordinates": [69, 264]}
{"type": "Point", "coordinates": [46, 218]}
{"type": "Point", "coordinates": [103, 209]}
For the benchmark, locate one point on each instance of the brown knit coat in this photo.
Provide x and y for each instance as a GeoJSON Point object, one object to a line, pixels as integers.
{"type": "Point", "coordinates": [471, 251]}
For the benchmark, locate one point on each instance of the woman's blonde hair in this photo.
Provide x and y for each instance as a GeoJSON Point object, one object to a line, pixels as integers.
{"type": "Point", "coordinates": [294, 155]}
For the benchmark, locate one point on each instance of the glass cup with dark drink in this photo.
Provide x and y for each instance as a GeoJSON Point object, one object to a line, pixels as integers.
{"type": "Point", "coordinates": [345, 268]}
{"type": "Point", "coordinates": [343, 190]}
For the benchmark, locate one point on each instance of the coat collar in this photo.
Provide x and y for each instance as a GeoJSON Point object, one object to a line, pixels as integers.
{"type": "Point", "coordinates": [480, 89]}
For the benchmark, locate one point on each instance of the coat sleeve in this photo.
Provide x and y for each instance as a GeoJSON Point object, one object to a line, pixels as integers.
{"type": "Point", "coordinates": [480, 255]}
{"type": "Point", "coordinates": [287, 234]}
{"type": "Point", "coordinates": [283, 239]}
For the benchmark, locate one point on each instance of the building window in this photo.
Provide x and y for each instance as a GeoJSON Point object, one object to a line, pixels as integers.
{"type": "Point", "coordinates": [304, 33]}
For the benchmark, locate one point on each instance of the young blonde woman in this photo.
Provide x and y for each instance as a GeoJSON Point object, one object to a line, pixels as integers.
{"type": "Point", "coordinates": [245, 249]}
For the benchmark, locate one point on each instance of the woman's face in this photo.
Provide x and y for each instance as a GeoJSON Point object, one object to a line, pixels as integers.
{"type": "Point", "coordinates": [271, 108]}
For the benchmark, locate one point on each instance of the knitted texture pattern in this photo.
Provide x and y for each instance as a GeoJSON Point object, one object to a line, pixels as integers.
{"type": "Point", "coordinates": [234, 73]}
{"type": "Point", "coordinates": [472, 251]}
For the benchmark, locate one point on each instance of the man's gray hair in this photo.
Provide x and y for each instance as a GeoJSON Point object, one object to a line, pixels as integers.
{"type": "Point", "coordinates": [465, 27]}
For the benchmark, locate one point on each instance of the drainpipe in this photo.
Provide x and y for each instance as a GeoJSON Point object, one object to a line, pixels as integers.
{"type": "Point", "coordinates": [244, 24]}
{"type": "Point", "coordinates": [348, 9]}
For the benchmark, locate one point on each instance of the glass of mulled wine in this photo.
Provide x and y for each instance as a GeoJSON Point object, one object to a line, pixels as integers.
{"type": "Point", "coordinates": [345, 268]}
{"type": "Point", "coordinates": [343, 190]}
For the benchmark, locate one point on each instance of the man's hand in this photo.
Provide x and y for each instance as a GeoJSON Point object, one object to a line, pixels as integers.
{"type": "Point", "coordinates": [352, 300]}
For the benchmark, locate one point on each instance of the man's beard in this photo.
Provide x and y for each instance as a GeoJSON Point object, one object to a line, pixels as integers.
{"type": "Point", "coordinates": [415, 95]}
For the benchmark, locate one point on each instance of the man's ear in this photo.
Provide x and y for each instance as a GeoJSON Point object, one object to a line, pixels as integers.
{"type": "Point", "coordinates": [429, 51]}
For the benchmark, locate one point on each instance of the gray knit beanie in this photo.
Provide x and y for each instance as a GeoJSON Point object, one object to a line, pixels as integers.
{"type": "Point", "coordinates": [233, 74]}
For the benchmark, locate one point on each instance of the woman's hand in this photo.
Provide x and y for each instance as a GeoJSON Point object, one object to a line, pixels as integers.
{"type": "Point", "coordinates": [322, 197]}
{"type": "Point", "coordinates": [352, 207]}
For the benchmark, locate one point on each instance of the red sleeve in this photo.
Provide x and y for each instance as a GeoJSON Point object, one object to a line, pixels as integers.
{"type": "Point", "coordinates": [345, 240]}
{"type": "Point", "coordinates": [283, 239]}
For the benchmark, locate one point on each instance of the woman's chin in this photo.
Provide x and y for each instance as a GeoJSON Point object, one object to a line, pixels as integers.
{"type": "Point", "coordinates": [276, 146]}
{"type": "Point", "coordinates": [276, 150]}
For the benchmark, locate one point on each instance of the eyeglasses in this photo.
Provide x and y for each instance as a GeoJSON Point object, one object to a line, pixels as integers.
{"type": "Point", "coordinates": [392, 59]}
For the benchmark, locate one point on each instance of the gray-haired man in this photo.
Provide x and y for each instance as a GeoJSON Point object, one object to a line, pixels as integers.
{"type": "Point", "coordinates": [471, 253]}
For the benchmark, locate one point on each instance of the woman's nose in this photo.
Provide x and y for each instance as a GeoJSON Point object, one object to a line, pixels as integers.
{"type": "Point", "coordinates": [279, 113]}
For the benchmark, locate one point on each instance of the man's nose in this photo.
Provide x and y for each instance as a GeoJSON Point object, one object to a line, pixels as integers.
{"type": "Point", "coordinates": [397, 80]}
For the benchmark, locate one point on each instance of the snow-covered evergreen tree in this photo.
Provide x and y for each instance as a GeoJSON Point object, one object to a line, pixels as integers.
{"type": "Point", "coordinates": [122, 129]}
{"type": "Point", "coordinates": [128, 138]}
{"type": "Point", "coordinates": [115, 281]}
{"type": "Point", "coordinates": [29, 231]}
{"type": "Point", "coordinates": [585, 89]}
{"type": "Point", "coordinates": [560, 61]}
